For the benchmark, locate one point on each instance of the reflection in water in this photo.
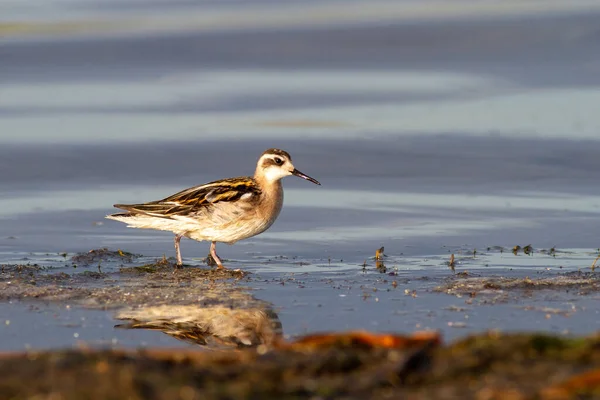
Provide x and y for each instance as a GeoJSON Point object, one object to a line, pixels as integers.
{"type": "Point", "coordinates": [208, 326]}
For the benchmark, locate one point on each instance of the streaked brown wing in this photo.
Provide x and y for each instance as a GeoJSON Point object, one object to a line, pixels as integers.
{"type": "Point", "coordinates": [195, 198]}
{"type": "Point", "coordinates": [184, 332]}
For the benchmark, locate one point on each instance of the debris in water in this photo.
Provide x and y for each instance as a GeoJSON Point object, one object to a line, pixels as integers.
{"type": "Point", "coordinates": [379, 253]}
{"type": "Point", "coordinates": [452, 262]}
{"type": "Point", "coordinates": [593, 267]}
{"type": "Point", "coordinates": [98, 255]}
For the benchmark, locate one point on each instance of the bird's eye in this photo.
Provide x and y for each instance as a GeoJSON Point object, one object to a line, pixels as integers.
{"type": "Point", "coordinates": [278, 161]}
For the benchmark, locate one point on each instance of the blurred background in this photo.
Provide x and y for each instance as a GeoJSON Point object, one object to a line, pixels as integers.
{"type": "Point", "coordinates": [435, 127]}
{"type": "Point", "coordinates": [429, 123]}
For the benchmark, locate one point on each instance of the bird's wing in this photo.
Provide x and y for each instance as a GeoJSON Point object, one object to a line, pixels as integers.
{"type": "Point", "coordinates": [197, 198]}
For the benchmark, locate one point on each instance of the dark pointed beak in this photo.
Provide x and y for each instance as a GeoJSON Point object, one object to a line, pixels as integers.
{"type": "Point", "coordinates": [301, 175]}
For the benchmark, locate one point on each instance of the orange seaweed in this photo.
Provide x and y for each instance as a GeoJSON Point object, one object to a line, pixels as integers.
{"type": "Point", "coordinates": [363, 339]}
{"type": "Point", "coordinates": [586, 382]}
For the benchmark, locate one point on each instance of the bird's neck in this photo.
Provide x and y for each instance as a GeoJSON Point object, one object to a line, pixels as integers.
{"type": "Point", "coordinates": [269, 188]}
{"type": "Point", "coordinates": [271, 198]}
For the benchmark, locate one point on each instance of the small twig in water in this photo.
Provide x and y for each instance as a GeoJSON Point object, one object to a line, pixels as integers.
{"type": "Point", "coordinates": [452, 263]}
{"type": "Point", "coordinates": [594, 263]}
{"type": "Point", "coordinates": [379, 253]}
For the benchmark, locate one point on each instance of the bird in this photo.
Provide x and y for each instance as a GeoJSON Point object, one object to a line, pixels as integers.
{"type": "Point", "coordinates": [226, 210]}
{"type": "Point", "coordinates": [214, 326]}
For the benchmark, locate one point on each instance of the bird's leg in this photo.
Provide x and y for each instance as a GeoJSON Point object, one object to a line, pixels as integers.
{"type": "Point", "coordinates": [179, 260]}
{"type": "Point", "coordinates": [213, 253]}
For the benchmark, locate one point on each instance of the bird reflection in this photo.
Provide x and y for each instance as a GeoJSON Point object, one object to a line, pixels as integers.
{"type": "Point", "coordinates": [215, 326]}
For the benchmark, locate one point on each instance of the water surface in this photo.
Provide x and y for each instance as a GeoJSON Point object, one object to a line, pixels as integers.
{"type": "Point", "coordinates": [433, 131]}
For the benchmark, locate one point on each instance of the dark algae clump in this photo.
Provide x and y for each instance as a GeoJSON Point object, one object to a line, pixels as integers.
{"type": "Point", "coordinates": [500, 288]}
{"type": "Point", "coordinates": [96, 256]}
{"type": "Point", "coordinates": [351, 366]}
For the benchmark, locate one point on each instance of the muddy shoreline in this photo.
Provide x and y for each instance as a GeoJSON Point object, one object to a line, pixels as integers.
{"type": "Point", "coordinates": [239, 349]}
{"type": "Point", "coordinates": [347, 366]}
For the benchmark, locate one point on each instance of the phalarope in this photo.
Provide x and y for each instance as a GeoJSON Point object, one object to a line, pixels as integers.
{"type": "Point", "coordinates": [226, 210]}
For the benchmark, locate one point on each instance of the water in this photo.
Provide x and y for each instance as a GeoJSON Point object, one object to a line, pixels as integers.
{"type": "Point", "coordinates": [432, 130]}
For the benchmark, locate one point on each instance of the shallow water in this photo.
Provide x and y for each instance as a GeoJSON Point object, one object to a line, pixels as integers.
{"type": "Point", "coordinates": [328, 294]}
{"type": "Point", "coordinates": [465, 128]}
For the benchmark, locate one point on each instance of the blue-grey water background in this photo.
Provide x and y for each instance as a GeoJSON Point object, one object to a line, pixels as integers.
{"type": "Point", "coordinates": [435, 127]}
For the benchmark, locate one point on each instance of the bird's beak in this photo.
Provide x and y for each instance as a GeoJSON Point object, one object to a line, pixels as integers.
{"type": "Point", "coordinates": [301, 175]}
